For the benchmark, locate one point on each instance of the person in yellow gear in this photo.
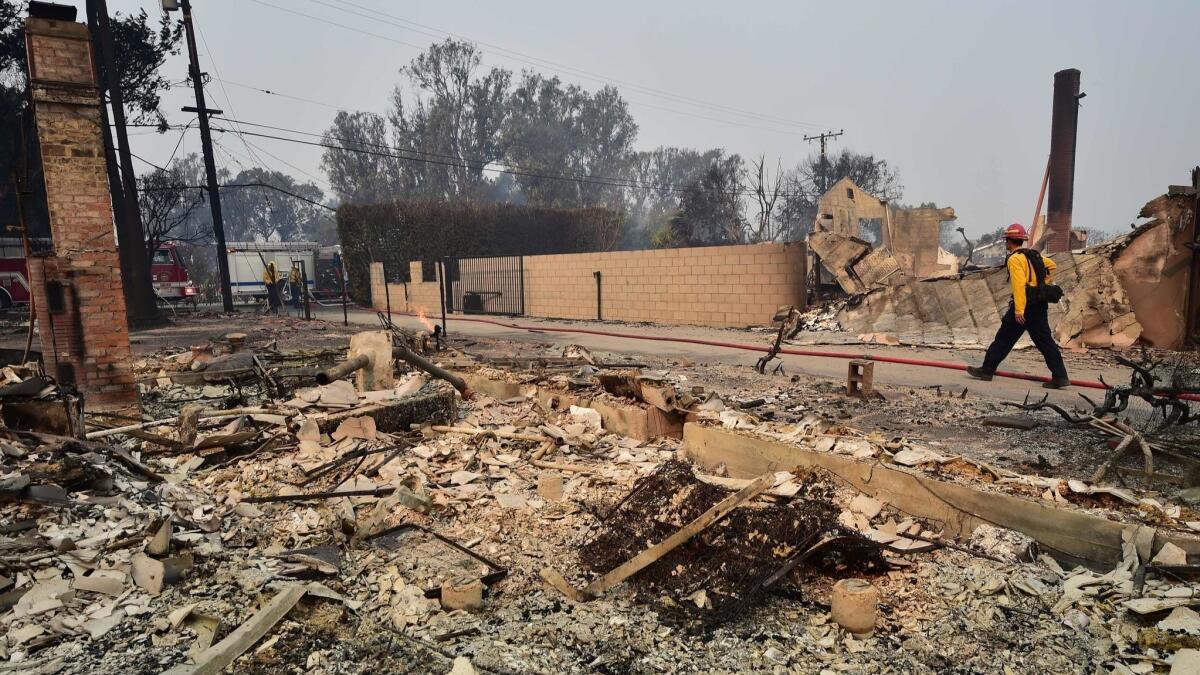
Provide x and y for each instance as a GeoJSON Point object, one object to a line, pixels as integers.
{"type": "Point", "coordinates": [294, 285]}
{"type": "Point", "coordinates": [1027, 311]}
{"type": "Point", "coordinates": [271, 281]}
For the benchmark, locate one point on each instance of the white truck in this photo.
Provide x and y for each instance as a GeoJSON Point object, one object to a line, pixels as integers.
{"type": "Point", "coordinates": [248, 260]}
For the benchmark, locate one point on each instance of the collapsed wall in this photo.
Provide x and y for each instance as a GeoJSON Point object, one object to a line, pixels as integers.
{"type": "Point", "coordinates": [1116, 293]}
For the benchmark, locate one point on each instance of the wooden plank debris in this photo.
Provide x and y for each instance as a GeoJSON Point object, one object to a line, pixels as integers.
{"type": "Point", "coordinates": [219, 656]}
{"type": "Point", "coordinates": [681, 536]}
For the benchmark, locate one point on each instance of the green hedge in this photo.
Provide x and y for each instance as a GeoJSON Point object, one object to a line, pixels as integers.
{"type": "Point", "coordinates": [404, 231]}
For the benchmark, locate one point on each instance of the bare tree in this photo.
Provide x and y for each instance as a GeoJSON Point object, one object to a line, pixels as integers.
{"type": "Point", "coordinates": [767, 191]}
{"type": "Point", "coordinates": [168, 201]}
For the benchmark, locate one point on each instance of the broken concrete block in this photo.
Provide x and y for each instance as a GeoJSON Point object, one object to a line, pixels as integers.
{"type": "Point", "coordinates": [108, 582]}
{"type": "Point", "coordinates": [148, 573]}
{"type": "Point", "coordinates": [1186, 661]}
{"type": "Point", "coordinates": [550, 486]}
{"type": "Point", "coordinates": [96, 628]}
{"type": "Point", "coordinates": [25, 633]}
{"type": "Point", "coordinates": [380, 372]}
{"type": "Point", "coordinates": [355, 427]}
{"type": "Point", "coordinates": [510, 501]}
{"type": "Point", "coordinates": [160, 543]}
{"type": "Point", "coordinates": [1170, 554]}
{"type": "Point", "coordinates": [462, 594]}
{"type": "Point", "coordinates": [309, 431]}
{"type": "Point", "coordinates": [868, 507]}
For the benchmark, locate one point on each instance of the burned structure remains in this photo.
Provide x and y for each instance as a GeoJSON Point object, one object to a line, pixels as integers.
{"type": "Point", "coordinates": [414, 488]}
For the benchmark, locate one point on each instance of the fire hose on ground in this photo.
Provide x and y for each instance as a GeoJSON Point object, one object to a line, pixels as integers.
{"type": "Point", "coordinates": [864, 356]}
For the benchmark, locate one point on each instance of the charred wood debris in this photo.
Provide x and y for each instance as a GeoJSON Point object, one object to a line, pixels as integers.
{"type": "Point", "coordinates": [425, 510]}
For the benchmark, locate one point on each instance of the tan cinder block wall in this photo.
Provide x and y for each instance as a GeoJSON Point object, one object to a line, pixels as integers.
{"type": "Point", "coordinates": [710, 286]}
{"type": "Point", "coordinates": [85, 340]}
{"type": "Point", "coordinates": [377, 281]}
{"type": "Point", "coordinates": [726, 286]}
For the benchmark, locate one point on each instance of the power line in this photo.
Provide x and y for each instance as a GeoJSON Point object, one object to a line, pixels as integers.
{"type": "Point", "coordinates": [593, 180]}
{"type": "Point", "coordinates": [339, 25]}
{"type": "Point", "coordinates": [463, 163]}
{"type": "Point", "coordinates": [580, 73]}
{"type": "Point", "coordinates": [228, 100]}
{"type": "Point", "coordinates": [468, 162]}
{"type": "Point", "coordinates": [288, 96]}
{"type": "Point", "coordinates": [541, 62]}
{"type": "Point", "coordinates": [242, 185]}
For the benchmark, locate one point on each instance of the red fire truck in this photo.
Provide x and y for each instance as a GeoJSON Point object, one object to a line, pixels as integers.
{"type": "Point", "coordinates": [167, 272]}
{"type": "Point", "coordinates": [170, 276]}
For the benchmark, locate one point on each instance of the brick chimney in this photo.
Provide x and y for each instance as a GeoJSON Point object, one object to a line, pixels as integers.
{"type": "Point", "coordinates": [77, 284]}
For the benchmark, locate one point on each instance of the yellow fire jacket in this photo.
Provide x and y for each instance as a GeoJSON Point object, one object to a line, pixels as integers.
{"type": "Point", "coordinates": [1020, 274]}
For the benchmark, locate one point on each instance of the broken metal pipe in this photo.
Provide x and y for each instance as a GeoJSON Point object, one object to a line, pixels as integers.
{"type": "Point", "coordinates": [343, 369]}
{"type": "Point", "coordinates": [415, 359]}
{"type": "Point", "coordinates": [404, 354]}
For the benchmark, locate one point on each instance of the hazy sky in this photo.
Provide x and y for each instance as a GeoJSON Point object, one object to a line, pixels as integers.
{"type": "Point", "coordinates": [956, 95]}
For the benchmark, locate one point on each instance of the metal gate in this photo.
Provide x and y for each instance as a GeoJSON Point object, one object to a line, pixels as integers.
{"type": "Point", "coordinates": [488, 285]}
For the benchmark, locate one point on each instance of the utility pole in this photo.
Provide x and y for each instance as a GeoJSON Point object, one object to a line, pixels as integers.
{"type": "Point", "coordinates": [210, 166]}
{"type": "Point", "coordinates": [140, 302]}
{"type": "Point", "coordinates": [824, 139]}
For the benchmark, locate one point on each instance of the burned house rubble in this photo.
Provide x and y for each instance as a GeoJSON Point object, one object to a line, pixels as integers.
{"type": "Point", "coordinates": [1123, 292]}
{"type": "Point", "coordinates": [393, 502]}
{"type": "Point", "coordinates": [255, 492]}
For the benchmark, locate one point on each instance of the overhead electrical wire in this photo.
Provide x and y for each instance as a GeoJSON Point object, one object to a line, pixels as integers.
{"type": "Point", "coordinates": [228, 100]}
{"type": "Point", "coordinates": [579, 73]}
{"type": "Point", "coordinates": [495, 167]}
{"type": "Point", "coordinates": [272, 92]}
{"type": "Point", "coordinates": [441, 159]}
{"type": "Point", "coordinates": [435, 32]}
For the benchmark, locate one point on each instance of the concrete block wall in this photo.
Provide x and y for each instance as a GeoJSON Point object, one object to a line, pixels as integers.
{"type": "Point", "coordinates": [84, 334]}
{"type": "Point", "coordinates": [725, 286]}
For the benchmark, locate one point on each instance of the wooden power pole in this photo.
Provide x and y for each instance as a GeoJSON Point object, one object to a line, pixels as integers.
{"type": "Point", "coordinates": [824, 138]}
{"type": "Point", "coordinates": [210, 166]}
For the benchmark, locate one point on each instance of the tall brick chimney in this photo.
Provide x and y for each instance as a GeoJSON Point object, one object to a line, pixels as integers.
{"type": "Point", "coordinates": [77, 284]}
{"type": "Point", "coordinates": [1064, 123]}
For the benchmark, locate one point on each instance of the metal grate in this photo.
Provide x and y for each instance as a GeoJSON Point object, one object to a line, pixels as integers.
{"type": "Point", "coordinates": [489, 285]}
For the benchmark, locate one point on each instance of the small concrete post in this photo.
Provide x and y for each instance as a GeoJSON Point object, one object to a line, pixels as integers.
{"type": "Point", "coordinates": [860, 379]}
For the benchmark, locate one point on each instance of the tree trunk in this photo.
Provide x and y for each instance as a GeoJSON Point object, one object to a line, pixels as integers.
{"type": "Point", "coordinates": [140, 306]}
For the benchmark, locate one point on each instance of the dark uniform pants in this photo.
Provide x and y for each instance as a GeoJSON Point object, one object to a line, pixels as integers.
{"type": "Point", "coordinates": [1037, 323]}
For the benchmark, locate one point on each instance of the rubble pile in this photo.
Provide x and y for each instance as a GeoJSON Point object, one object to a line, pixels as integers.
{"type": "Point", "coordinates": [279, 526]}
{"type": "Point", "coordinates": [723, 569]}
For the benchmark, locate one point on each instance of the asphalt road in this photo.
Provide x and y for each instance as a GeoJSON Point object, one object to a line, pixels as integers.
{"type": "Point", "coordinates": [1090, 366]}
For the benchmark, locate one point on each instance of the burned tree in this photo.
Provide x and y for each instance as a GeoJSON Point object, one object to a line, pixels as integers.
{"type": "Point", "coordinates": [1152, 413]}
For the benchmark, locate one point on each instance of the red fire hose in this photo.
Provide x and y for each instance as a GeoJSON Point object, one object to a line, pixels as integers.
{"type": "Point", "coordinates": [865, 356]}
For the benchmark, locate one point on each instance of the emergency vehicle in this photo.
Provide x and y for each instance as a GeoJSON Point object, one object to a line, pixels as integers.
{"type": "Point", "coordinates": [167, 273]}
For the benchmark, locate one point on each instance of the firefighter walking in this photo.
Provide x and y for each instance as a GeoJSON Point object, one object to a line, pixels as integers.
{"type": "Point", "coordinates": [271, 281]}
{"type": "Point", "coordinates": [294, 285]}
{"type": "Point", "coordinates": [1030, 275]}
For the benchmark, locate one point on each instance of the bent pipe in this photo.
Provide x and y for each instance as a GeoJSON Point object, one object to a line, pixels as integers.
{"type": "Point", "coordinates": [343, 369]}
{"type": "Point", "coordinates": [865, 356]}
{"type": "Point", "coordinates": [362, 361]}
{"type": "Point", "coordinates": [415, 359]}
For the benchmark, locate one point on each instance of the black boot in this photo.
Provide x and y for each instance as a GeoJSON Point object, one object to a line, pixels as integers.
{"type": "Point", "coordinates": [1057, 383]}
{"type": "Point", "coordinates": [979, 373]}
